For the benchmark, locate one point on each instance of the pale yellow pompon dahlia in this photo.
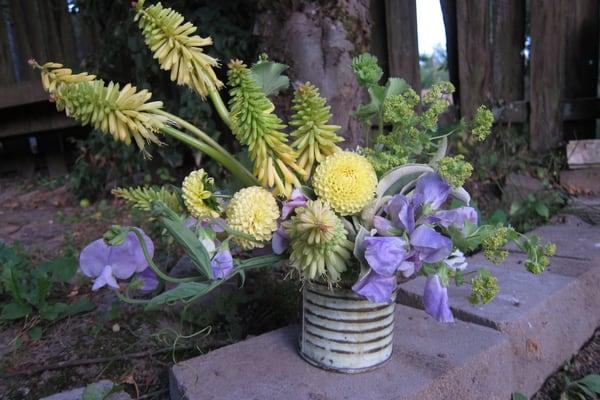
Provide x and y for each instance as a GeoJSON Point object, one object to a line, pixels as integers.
{"type": "Point", "coordinates": [195, 191]}
{"type": "Point", "coordinates": [345, 180]}
{"type": "Point", "coordinates": [253, 211]}
{"type": "Point", "coordinates": [177, 49]}
{"type": "Point", "coordinates": [54, 74]}
{"type": "Point", "coordinates": [320, 248]}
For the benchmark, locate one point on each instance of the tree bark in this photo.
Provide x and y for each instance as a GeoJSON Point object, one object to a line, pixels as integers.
{"type": "Point", "coordinates": [318, 40]}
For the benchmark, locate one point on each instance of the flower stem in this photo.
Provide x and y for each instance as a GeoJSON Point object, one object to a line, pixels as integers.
{"type": "Point", "coordinates": [152, 265]}
{"type": "Point", "coordinates": [129, 300]}
{"type": "Point", "coordinates": [227, 161]}
{"type": "Point", "coordinates": [220, 106]}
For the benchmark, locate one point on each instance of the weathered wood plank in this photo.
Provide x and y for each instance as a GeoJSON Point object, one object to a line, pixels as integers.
{"type": "Point", "coordinates": [33, 118]}
{"type": "Point", "coordinates": [474, 51]}
{"type": "Point", "coordinates": [449, 14]}
{"type": "Point", "coordinates": [508, 41]}
{"type": "Point", "coordinates": [22, 93]}
{"type": "Point", "coordinates": [581, 61]}
{"type": "Point", "coordinates": [403, 46]}
{"type": "Point", "coordinates": [547, 73]}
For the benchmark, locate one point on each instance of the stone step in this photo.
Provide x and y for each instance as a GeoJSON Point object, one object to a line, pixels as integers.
{"type": "Point", "coordinates": [546, 318]}
{"type": "Point", "coordinates": [429, 361]}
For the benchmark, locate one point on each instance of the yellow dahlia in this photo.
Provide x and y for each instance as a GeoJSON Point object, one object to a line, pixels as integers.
{"type": "Point", "coordinates": [346, 181]}
{"type": "Point", "coordinates": [195, 193]}
{"type": "Point", "coordinates": [320, 248]}
{"type": "Point", "coordinates": [253, 211]}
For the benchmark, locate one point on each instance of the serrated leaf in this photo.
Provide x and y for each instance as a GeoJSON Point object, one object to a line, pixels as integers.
{"type": "Point", "coordinates": [268, 75]}
{"type": "Point", "coordinates": [183, 291]}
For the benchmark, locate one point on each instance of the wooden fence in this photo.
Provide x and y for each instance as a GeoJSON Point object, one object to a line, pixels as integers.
{"type": "Point", "coordinates": [551, 85]}
{"type": "Point", "coordinates": [46, 29]}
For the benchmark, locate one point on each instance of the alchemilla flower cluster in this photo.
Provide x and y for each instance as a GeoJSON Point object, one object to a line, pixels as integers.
{"type": "Point", "coordinates": [359, 218]}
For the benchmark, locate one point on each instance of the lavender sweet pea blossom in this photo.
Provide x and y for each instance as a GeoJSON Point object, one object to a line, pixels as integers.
{"type": "Point", "coordinates": [149, 280]}
{"type": "Point", "coordinates": [430, 245]}
{"type": "Point", "coordinates": [435, 299]}
{"type": "Point", "coordinates": [222, 264]}
{"type": "Point", "coordinates": [432, 190]}
{"type": "Point", "coordinates": [376, 288]}
{"type": "Point", "coordinates": [281, 239]}
{"type": "Point", "coordinates": [455, 217]}
{"type": "Point", "coordinates": [108, 263]}
{"type": "Point", "coordinates": [385, 254]}
{"type": "Point", "coordinates": [401, 211]}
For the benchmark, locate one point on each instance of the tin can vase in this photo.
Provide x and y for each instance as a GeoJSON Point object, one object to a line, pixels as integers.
{"type": "Point", "coordinates": [342, 332]}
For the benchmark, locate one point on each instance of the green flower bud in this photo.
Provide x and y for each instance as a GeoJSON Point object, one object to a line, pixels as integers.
{"type": "Point", "coordinates": [116, 235]}
{"type": "Point", "coordinates": [400, 109]}
{"type": "Point", "coordinates": [366, 69]}
{"type": "Point", "coordinates": [455, 170]}
{"type": "Point", "coordinates": [484, 287]}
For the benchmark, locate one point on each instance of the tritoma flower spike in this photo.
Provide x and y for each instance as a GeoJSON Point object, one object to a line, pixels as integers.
{"type": "Point", "coordinates": [256, 125]}
{"type": "Point", "coordinates": [124, 113]}
{"type": "Point", "coordinates": [314, 137]}
{"type": "Point", "coordinates": [177, 49]}
{"type": "Point", "coordinates": [55, 74]}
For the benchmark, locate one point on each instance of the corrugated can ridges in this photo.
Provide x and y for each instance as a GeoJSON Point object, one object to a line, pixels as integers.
{"type": "Point", "coordinates": [343, 332]}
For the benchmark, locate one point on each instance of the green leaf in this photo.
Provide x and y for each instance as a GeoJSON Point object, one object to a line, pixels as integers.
{"type": "Point", "coordinates": [396, 178]}
{"type": "Point", "coordinates": [53, 311]}
{"type": "Point", "coordinates": [269, 77]}
{"type": "Point", "coordinates": [592, 382]}
{"type": "Point", "coordinates": [96, 391]}
{"type": "Point", "coordinates": [35, 333]}
{"type": "Point", "coordinates": [185, 237]}
{"type": "Point", "coordinates": [81, 305]}
{"type": "Point", "coordinates": [542, 210]}
{"type": "Point", "coordinates": [518, 396]}
{"type": "Point", "coordinates": [12, 311]}
{"type": "Point", "coordinates": [183, 291]}
{"type": "Point", "coordinates": [395, 86]}
{"type": "Point", "coordinates": [61, 269]}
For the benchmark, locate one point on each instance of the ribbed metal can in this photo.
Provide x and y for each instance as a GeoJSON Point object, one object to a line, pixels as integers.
{"type": "Point", "coordinates": [342, 332]}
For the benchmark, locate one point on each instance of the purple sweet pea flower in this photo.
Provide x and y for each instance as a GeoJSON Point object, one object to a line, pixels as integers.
{"type": "Point", "coordinates": [222, 264]}
{"type": "Point", "coordinates": [432, 190]}
{"type": "Point", "coordinates": [281, 240]}
{"type": "Point", "coordinates": [455, 217]}
{"type": "Point", "coordinates": [401, 211]}
{"type": "Point", "coordinates": [435, 298]}
{"type": "Point", "coordinates": [149, 280]}
{"type": "Point", "coordinates": [385, 254]}
{"type": "Point", "coordinates": [376, 288]}
{"type": "Point", "coordinates": [108, 263]}
{"type": "Point", "coordinates": [383, 226]}
{"type": "Point", "coordinates": [431, 246]}
{"type": "Point", "coordinates": [297, 199]}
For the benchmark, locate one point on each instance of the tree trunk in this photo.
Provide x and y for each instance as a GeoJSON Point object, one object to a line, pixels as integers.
{"type": "Point", "coordinates": [318, 40]}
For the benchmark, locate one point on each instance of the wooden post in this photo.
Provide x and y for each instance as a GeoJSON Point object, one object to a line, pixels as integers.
{"type": "Point", "coordinates": [547, 73]}
{"type": "Point", "coordinates": [581, 62]}
{"type": "Point", "coordinates": [403, 45]}
{"type": "Point", "coordinates": [508, 41]}
{"type": "Point", "coordinates": [474, 55]}
{"type": "Point", "coordinates": [449, 13]}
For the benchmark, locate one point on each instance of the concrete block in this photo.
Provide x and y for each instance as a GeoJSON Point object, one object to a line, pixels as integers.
{"type": "Point", "coordinates": [430, 361]}
{"type": "Point", "coordinates": [546, 318]}
{"type": "Point", "coordinates": [579, 242]}
{"type": "Point", "coordinates": [581, 181]}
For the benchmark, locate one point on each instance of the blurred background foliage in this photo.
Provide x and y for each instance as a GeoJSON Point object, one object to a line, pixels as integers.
{"type": "Point", "coordinates": [122, 56]}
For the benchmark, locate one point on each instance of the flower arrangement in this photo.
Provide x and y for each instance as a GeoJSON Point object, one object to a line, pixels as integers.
{"type": "Point", "coordinates": [355, 218]}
